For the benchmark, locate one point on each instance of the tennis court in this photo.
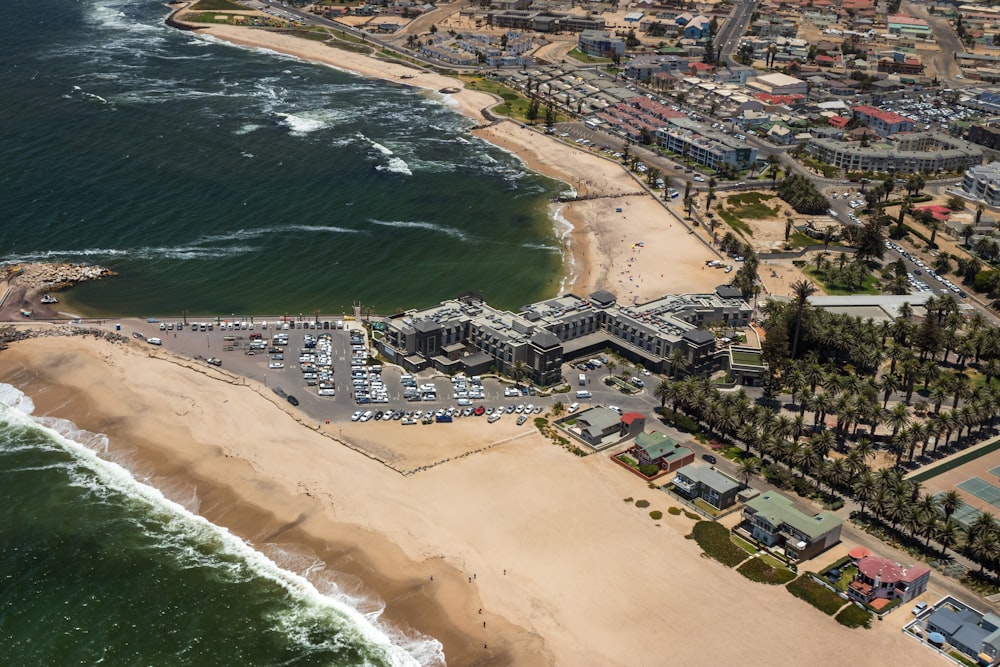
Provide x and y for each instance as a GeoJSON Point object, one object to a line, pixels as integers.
{"type": "Point", "coordinates": [965, 514]}
{"type": "Point", "coordinates": [982, 490]}
{"type": "Point", "coordinates": [995, 471]}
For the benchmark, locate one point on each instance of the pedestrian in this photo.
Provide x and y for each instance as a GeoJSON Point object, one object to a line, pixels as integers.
{"type": "Point", "coordinates": [505, 572]}
{"type": "Point", "coordinates": [484, 624]}
{"type": "Point", "coordinates": [480, 610]}
{"type": "Point", "coordinates": [432, 577]}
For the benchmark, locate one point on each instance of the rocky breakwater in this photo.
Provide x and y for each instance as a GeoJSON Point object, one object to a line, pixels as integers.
{"type": "Point", "coordinates": [53, 276]}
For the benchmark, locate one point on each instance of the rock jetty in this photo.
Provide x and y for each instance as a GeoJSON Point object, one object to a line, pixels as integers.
{"type": "Point", "coordinates": [52, 276]}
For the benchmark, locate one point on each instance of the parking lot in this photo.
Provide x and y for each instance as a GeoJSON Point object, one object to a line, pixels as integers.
{"type": "Point", "coordinates": [301, 361]}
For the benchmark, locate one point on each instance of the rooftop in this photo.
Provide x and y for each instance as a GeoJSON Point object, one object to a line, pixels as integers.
{"type": "Point", "coordinates": [657, 445]}
{"type": "Point", "coordinates": [710, 477]}
{"type": "Point", "coordinates": [778, 510]}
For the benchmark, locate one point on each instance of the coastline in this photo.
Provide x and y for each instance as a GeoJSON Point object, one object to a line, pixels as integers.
{"type": "Point", "coordinates": [564, 572]}
{"type": "Point", "coordinates": [599, 252]}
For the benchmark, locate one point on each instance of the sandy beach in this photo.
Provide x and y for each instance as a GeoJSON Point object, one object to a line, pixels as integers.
{"type": "Point", "coordinates": [564, 571]}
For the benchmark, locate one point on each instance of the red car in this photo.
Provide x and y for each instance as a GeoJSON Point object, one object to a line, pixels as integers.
{"type": "Point", "coordinates": [480, 411]}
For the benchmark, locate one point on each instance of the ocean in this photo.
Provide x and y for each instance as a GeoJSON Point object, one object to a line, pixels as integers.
{"type": "Point", "coordinates": [97, 567]}
{"type": "Point", "coordinates": [217, 180]}
{"type": "Point", "coordinates": [224, 180]}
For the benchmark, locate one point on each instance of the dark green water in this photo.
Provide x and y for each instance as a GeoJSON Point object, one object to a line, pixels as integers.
{"type": "Point", "coordinates": [223, 180]}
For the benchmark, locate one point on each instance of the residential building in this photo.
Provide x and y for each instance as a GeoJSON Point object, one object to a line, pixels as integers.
{"type": "Point", "coordinates": [985, 135]}
{"type": "Point", "coordinates": [596, 424]}
{"type": "Point", "coordinates": [882, 579]}
{"type": "Point", "coordinates": [975, 634]}
{"type": "Point", "coordinates": [600, 44]}
{"type": "Point", "coordinates": [983, 182]}
{"type": "Point", "coordinates": [772, 519]}
{"type": "Point", "coordinates": [544, 21]}
{"type": "Point", "coordinates": [715, 488]}
{"type": "Point", "coordinates": [661, 450]}
{"type": "Point", "coordinates": [900, 24]}
{"type": "Point", "coordinates": [697, 27]}
{"type": "Point", "coordinates": [693, 140]}
{"type": "Point", "coordinates": [778, 84]}
{"type": "Point", "coordinates": [913, 152]}
{"type": "Point", "coordinates": [882, 122]}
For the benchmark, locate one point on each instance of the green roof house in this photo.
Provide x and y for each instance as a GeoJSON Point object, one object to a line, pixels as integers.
{"type": "Point", "coordinates": [661, 450]}
{"type": "Point", "coordinates": [772, 519]}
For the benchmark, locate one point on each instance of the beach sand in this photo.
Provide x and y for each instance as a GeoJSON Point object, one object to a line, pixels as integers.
{"type": "Point", "coordinates": [564, 571]}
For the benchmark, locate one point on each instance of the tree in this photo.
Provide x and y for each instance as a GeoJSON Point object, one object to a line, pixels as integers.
{"type": "Point", "coordinates": [532, 112]}
{"type": "Point", "coordinates": [550, 114]}
{"type": "Point", "coordinates": [801, 291]}
{"type": "Point", "coordinates": [748, 467]}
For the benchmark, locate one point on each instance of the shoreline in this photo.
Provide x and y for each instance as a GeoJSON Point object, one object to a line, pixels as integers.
{"type": "Point", "coordinates": [422, 596]}
{"type": "Point", "coordinates": [564, 572]}
{"type": "Point", "coordinates": [595, 243]}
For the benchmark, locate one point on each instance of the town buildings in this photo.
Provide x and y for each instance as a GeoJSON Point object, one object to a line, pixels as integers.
{"type": "Point", "coordinates": [983, 182]}
{"type": "Point", "coordinates": [975, 634]}
{"type": "Point", "coordinates": [908, 153]}
{"type": "Point", "coordinates": [882, 579]}
{"type": "Point", "coordinates": [660, 450]}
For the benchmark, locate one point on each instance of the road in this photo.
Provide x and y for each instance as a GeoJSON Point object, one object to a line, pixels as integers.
{"type": "Point", "coordinates": [947, 41]}
{"type": "Point", "coordinates": [732, 30]}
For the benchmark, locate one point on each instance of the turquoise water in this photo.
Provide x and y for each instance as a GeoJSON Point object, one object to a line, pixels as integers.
{"type": "Point", "coordinates": [99, 568]}
{"type": "Point", "coordinates": [223, 180]}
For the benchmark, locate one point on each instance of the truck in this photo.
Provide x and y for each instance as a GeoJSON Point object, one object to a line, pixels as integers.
{"type": "Point", "coordinates": [583, 380]}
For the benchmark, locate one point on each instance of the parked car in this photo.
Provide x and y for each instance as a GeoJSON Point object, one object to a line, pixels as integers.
{"type": "Point", "coordinates": [919, 608]}
{"type": "Point", "coordinates": [711, 459]}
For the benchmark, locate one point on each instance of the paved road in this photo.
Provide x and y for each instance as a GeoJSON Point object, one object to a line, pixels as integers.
{"type": "Point", "coordinates": [946, 40]}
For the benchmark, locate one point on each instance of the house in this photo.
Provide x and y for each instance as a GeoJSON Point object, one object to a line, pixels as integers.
{"type": "Point", "coordinates": [882, 579]}
{"type": "Point", "coordinates": [778, 84]}
{"type": "Point", "coordinates": [697, 481]}
{"type": "Point", "coordinates": [661, 450]}
{"type": "Point", "coordinates": [939, 213]}
{"type": "Point", "coordinates": [697, 27]}
{"type": "Point", "coordinates": [773, 520]}
{"type": "Point", "coordinates": [600, 44]}
{"type": "Point", "coordinates": [633, 423]}
{"type": "Point", "coordinates": [597, 424]}
{"type": "Point", "coordinates": [975, 634]}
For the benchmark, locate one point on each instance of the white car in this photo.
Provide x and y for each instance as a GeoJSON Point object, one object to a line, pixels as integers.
{"type": "Point", "coordinates": [276, 364]}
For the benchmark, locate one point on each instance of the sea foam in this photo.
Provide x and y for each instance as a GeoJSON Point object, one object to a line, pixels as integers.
{"type": "Point", "coordinates": [226, 550]}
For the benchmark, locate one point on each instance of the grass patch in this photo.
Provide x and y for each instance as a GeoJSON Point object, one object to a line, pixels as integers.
{"type": "Point", "coordinates": [585, 58]}
{"type": "Point", "coordinates": [817, 595]}
{"type": "Point", "coordinates": [642, 504]}
{"type": "Point", "coordinates": [853, 616]}
{"type": "Point", "coordinates": [801, 240]}
{"type": "Point", "coordinates": [743, 544]}
{"type": "Point", "coordinates": [219, 5]}
{"type": "Point", "coordinates": [962, 658]}
{"type": "Point", "coordinates": [694, 516]}
{"type": "Point", "coordinates": [951, 464]}
{"type": "Point", "coordinates": [735, 222]}
{"type": "Point", "coordinates": [514, 104]}
{"type": "Point", "coordinates": [829, 280]}
{"type": "Point", "coordinates": [675, 511]}
{"type": "Point", "coordinates": [714, 541]}
{"type": "Point", "coordinates": [756, 569]}
{"type": "Point", "coordinates": [751, 198]}
{"type": "Point", "coordinates": [746, 358]}
{"type": "Point", "coordinates": [628, 500]}
{"type": "Point", "coordinates": [656, 515]}
{"type": "Point", "coordinates": [705, 507]}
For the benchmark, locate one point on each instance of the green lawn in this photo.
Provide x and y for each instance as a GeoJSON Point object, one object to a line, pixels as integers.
{"type": "Point", "coordinates": [714, 541]}
{"type": "Point", "coordinates": [219, 5]}
{"type": "Point", "coordinates": [735, 222]}
{"type": "Point", "coordinates": [584, 58]}
{"type": "Point", "coordinates": [853, 616]}
{"type": "Point", "coordinates": [816, 594]}
{"type": "Point", "coordinates": [831, 286]}
{"type": "Point", "coordinates": [747, 358]}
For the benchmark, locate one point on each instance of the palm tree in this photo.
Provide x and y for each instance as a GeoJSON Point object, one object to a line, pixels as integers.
{"type": "Point", "coordinates": [950, 502]}
{"type": "Point", "coordinates": [865, 488]}
{"type": "Point", "coordinates": [749, 467]}
{"type": "Point", "coordinates": [678, 360]}
{"type": "Point", "coordinates": [801, 290]}
{"type": "Point", "coordinates": [663, 391]}
{"type": "Point", "coordinates": [519, 367]}
{"type": "Point", "coordinates": [947, 534]}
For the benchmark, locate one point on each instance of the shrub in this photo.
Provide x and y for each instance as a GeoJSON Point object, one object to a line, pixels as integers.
{"type": "Point", "coordinates": [642, 504]}
{"type": "Point", "coordinates": [714, 541]}
{"type": "Point", "coordinates": [676, 511]}
{"type": "Point", "coordinates": [854, 616]}
{"type": "Point", "coordinates": [757, 570]}
{"type": "Point", "coordinates": [649, 469]}
{"type": "Point", "coordinates": [656, 515]}
{"type": "Point", "coordinates": [816, 594]}
{"type": "Point", "coordinates": [694, 516]}
{"type": "Point", "coordinates": [629, 499]}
